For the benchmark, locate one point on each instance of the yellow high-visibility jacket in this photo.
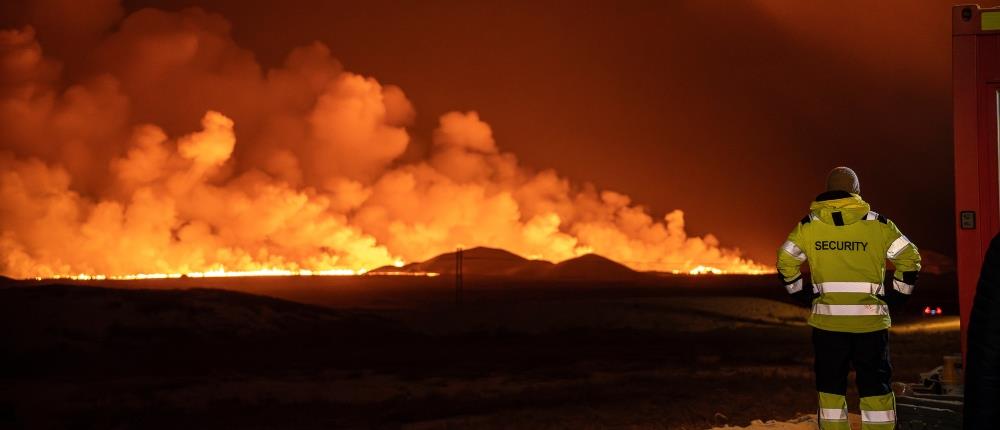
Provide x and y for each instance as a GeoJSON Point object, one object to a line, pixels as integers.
{"type": "Point", "coordinates": [846, 246]}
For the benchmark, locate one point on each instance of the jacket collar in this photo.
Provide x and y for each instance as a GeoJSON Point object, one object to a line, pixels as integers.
{"type": "Point", "coordinates": [833, 195]}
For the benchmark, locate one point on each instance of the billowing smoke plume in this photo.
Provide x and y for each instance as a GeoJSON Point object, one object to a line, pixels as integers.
{"type": "Point", "coordinates": [173, 151]}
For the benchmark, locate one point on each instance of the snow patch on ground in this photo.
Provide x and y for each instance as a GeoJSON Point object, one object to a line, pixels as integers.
{"type": "Point", "coordinates": [805, 422]}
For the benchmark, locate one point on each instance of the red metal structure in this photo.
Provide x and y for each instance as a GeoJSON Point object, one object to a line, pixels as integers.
{"type": "Point", "coordinates": [976, 97]}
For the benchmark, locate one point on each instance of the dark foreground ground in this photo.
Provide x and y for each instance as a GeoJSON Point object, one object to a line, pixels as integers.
{"type": "Point", "coordinates": [684, 354]}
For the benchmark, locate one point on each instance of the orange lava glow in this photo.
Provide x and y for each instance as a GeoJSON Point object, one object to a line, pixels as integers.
{"type": "Point", "coordinates": [234, 274]}
{"type": "Point", "coordinates": [181, 156]}
{"type": "Point", "coordinates": [705, 270]}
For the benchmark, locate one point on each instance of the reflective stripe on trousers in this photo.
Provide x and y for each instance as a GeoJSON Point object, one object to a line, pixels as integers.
{"type": "Point", "coordinates": [878, 416]}
{"type": "Point", "coordinates": [878, 412]}
{"type": "Point", "coordinates": [832, 413]}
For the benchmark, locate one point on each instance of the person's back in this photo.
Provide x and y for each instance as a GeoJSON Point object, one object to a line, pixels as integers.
{"type": "Point", "coordinates": [846, 245]}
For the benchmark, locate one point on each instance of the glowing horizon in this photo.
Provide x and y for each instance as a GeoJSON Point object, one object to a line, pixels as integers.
{"type": "Point", "coordinates": [340, 272]}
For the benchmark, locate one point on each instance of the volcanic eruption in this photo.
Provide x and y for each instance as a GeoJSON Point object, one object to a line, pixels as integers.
{"type": "Point", "coordinates": [157, 145]}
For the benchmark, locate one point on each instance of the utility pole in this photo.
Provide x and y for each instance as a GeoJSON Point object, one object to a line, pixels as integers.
{"type": "Point", "coordinates": [458, 276]}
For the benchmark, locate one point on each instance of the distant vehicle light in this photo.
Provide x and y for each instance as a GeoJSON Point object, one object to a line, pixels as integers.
{"type": "Point", "coordinates": [932, 311]}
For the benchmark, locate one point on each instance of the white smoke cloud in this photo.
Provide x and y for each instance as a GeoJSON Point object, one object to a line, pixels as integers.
{"type": "Point", "coordinates": [176, 152]}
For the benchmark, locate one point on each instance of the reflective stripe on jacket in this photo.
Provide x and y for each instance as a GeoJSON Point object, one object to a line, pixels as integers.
{"type": "Point", "coordinates": [846, 245]}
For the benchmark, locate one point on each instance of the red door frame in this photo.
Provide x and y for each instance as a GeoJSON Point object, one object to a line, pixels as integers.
{"type": "Point", "coordinates": [975, 82]}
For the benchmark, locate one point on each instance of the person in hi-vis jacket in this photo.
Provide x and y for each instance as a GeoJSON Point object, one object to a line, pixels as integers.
{"type": "Point", "coordinates": [846, 246]}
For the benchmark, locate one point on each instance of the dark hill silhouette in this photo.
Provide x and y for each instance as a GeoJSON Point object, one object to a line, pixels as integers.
{"type": "Point", "coordinates": [492, 262]}
{"type": "Point", "coordinates": [479, 261]}
{"type": "Point", "coordinates": [592, 267]}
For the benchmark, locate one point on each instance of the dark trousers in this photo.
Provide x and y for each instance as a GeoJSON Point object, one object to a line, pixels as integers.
{"type": "Point", "coordinates": [837, 352]}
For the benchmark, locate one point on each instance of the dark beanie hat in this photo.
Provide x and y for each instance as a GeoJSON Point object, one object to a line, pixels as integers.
{"type": "Point", "coordinates": [843, 179]}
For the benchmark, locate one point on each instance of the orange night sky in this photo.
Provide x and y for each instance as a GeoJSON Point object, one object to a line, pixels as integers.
{"type": "Point", "coordinates": [730, 111]}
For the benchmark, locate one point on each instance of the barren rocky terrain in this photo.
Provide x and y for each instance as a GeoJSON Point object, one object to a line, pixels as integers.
{"type": "Point", "coordinates": [686, 355]}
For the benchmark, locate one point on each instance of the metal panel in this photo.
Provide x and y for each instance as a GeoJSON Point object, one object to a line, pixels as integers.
{"type": "Point", "coordinates": [976, 79]}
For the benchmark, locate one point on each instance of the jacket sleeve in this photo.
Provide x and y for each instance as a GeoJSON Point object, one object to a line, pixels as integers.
{"type": "Point", "coordinates": [905, 256]}
{"type": "Point", "coordinates": [790, 259]}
